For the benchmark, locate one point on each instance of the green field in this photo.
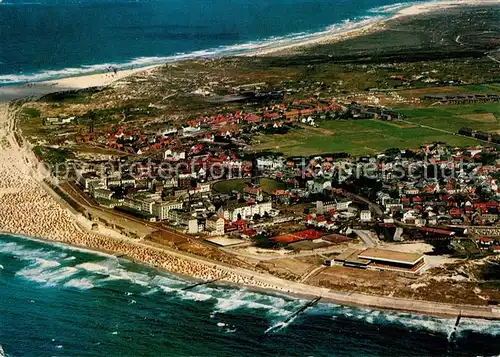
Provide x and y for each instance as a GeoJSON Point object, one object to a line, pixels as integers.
{"type": "Point", "coordinates": [364, 137]}
{"type": "Point", "coordinates": [485, 117]}
{"type": "Point", "coordinates": [356, 137]}
{"type": "Point", "coordinates": [268, 185]}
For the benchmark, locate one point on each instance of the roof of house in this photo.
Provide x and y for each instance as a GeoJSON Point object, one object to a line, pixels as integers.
{"type": "Point", "coordinates": [390, 256]}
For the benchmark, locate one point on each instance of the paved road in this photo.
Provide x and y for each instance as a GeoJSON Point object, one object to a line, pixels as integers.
{"type": "Point", "coordinates": [369, 240]}
{"type": "Point", "coordinates": [375, 208]}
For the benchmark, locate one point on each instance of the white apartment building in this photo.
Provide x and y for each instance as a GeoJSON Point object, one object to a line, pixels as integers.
{"type": "Point", "coordinates": [161, 209]}
{"type": "Point", "coordinates": [215, 225]}
{"type": "Point", "coordinates": [365, 216]}
{"type": "Point", "coordinates": [245, 211]}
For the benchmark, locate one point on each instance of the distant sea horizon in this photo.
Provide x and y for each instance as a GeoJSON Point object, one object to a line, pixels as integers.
{"type": "Point", "coordinates": [49, 39]}
{"type": "Point", "coordinates": [59, 300]}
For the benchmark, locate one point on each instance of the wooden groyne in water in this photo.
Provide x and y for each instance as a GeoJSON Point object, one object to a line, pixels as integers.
{"type": "Point", "coordinates": [302, 309]}
{"type": "Point", "coordinates": [290, 318]}
{"type": "Point", "coordinates": [201, 283]}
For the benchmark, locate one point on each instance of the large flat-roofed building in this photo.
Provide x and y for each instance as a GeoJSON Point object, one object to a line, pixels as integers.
{"type": "Point", "coordinates": [381, 259]}
{"type": "Point", "coordinates": [350, 258]}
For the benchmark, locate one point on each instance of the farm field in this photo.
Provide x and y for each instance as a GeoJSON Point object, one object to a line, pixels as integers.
{"type": "Point", "coordinates": [356, 137]}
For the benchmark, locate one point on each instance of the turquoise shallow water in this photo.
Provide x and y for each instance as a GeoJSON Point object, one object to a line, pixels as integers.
{"type": "Point", "coordinates": [59, 301]}
{"type": "Point", "coordinates": [46, 39]}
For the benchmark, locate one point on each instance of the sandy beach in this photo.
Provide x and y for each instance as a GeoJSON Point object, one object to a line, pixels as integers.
{"type": "Point", "coordinates": [441, 5]}
{"type": "Point", "coordinates": [96, 80]}
{"type": "Point", "coordinates": [372, 26]}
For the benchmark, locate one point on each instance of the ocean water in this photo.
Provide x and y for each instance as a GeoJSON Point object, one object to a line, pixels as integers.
{"type": "Point", "coordinates": [47, 39]}
{"type": "Point", "coordinates": [60, 301]}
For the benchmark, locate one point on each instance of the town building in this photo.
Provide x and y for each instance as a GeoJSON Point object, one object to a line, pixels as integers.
{"type": "Point", "coordinates": [365, 216]}
{"type": "Point", "coordinates": [234, 211]}
{"type": "Point", "coordinates": [215, 225]}
{"type": "Point", "coordinates": [381, 259]}
{"type": "Point", "coordinates": [162, 208]}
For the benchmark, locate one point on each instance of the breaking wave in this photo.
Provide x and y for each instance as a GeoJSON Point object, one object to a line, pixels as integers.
{"type": "Point", "coordinates": [52, 266]}
{"type": "Point", "coordinates": [230, 50]}
{"type": "Point", "coordinates": [57, 266]}
{"type": "Point", "coordinates": [278, 306]}
{"type": "Point", "coordinates": [393, 8]}
{"type": "Point", "coordinates": [412, 322]}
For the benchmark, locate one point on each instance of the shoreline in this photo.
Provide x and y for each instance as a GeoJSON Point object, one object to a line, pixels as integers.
{"type": "Point", "coordinates": [267, 48]}
{"type": "Point", "coordinates": [57, 225]}
{"type": "Point", "coordinates": [448, 311]}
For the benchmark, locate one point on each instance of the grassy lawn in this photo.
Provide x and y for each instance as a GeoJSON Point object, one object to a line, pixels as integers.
{"type": "Point", "coordinates": [356, 137]}
{"type": "Point", "coordinates": [229, 185]}
{"type": "Point", "coordinates": [268, 185]}
{"type": "Point", "coordinates": [52, 155]}
{"type": "Point", "coordinates": [485, 117]}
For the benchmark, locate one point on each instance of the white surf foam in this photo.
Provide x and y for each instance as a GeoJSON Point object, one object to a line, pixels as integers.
{"type": "Point", "coordinates": [26, 254]}
{"type": "Point", "coordinates": [65, 248]}
{"type": "Point", "coordinates": [479, 326]}
{"type": "Point", "coordinates": [234, 49]}
{"type": "Point", "coordinates": [47, 272]}
{"type": "Point", "coordinates": [102, 267]}
{"type": "Point", "coordinates": [81, 283]}
{"type": "Point", "coordinates": [280, 325]}
{"type": "Point", "coordinates": [231, 299]}
{"type": "Point", "coordinates": [168, 281]}
{"type": "Point", "coordinates": [111, 270]}
{"type": "Point", "coordinates": [47, 245]}
{"type": "Point", "coordinates": [185, 294]}
{"type": "Point", "coordinates": [193, 295]}
{"type": "Point", "coordinates": [393, 8]}
{"type": "Point", "coordinates": [150, 292]}
{"type": "Point", "coordinates": [444, 326]}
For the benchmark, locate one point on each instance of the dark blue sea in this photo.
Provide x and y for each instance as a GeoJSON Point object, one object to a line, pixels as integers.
{"type": "Point", "coordinates": [61, 301]}
{"type": "Point", "coordinates": [48, 39]}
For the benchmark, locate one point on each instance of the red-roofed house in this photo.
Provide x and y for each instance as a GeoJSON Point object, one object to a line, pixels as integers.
{"type": "Point", "coordinates": [253, 118]}
{"type": "Point", "coordinates": [485, 241]}
{"type": "Point", "coordinates": [455, 212]}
